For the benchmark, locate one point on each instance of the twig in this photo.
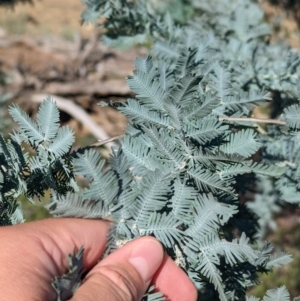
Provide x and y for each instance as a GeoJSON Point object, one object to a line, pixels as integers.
{"type": "Point", "coordinates": [79, 114]}
{"type": "Point", "coordinates": [258, 120]}
{"type": "Point", "coordinates": [101, 142]}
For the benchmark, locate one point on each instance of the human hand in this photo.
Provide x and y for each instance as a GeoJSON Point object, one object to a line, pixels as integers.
{"type": "Point", "coordinates": [32, 254]}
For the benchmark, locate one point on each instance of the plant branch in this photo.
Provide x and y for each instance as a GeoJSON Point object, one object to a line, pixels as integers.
{"type": "Point", "coordinates": [258, 120]}
{"type": "Point", "coordinates": [102, 142]}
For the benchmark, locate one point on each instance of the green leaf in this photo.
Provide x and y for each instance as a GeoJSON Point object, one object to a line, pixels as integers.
{"type": "Point", "coordinates": [251, 298]}
{"type": "Point", "coordinates": [182, 200]}
{"type": "Point", "coordinates": [164, 50]}
{"type": "Point", "coordinates": [209, 270]}
{"type": "Point", "coordinates": [166, 78]}
{"type": "Point", "coordinates": [168, 150]}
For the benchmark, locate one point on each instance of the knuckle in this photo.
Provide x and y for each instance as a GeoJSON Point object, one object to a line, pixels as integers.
{"type": "Point", "coordinates": [121, 280]}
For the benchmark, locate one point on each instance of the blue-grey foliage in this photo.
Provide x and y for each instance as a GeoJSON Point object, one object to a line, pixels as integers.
{"type": "Point", "coordinates": [278, 294]}
{"type": "Point", "coordinates": [49, 168]}
{"type": "Point", "coordinates": [174, 176]}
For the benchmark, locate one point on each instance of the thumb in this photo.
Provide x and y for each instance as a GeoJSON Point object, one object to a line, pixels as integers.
{"type": "Point", "coordinates": [124, 275]}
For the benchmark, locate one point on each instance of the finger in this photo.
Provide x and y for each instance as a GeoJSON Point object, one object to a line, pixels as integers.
{"type": "Point", "coordinates": [167, 275]}
{"type": "Point", "coordinates": [62, 236]}
{"type": "Point", "coordinates": [125, 274]}
{"type": "Point", "coordinates": [39, 249]}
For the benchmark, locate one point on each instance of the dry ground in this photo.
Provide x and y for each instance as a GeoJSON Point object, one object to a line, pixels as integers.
{"type": "Point", "coordinates": [45, 17]}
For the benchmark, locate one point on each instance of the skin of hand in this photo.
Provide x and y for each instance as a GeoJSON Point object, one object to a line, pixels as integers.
{"type": "Point", "coordinates": [32, 254]}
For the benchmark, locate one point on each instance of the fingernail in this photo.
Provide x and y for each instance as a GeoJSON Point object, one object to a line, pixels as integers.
{"type": "Point", "coordinates": [147, 257]}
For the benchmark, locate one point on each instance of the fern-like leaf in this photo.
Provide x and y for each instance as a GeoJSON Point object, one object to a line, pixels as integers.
{"type": "Point", "coordinates": [278, 260]}
{"type": "Point", "coordinates": [26, 124]}
{"type": "Point", "coordinates": [73, 205]}
{"type": "Point", "coordinates": [243, 143]}
{"type": "Point", "coordinates": [144, 65]}
{"type": "Point", "coordinates": [209, 182]}
{"type": "Point", "coordinates": [103, 184]}
{"type": "Point", "coordinates": [152, 197]}
{"type": "Point", "coordinates": [209, 215]}
{"type": "Point", "coordinates": [185, 90]}
{"type": "Point", "coordinates": [205, 130]}
{"type": "Point", "coordinates": [48, 119]}
{"type": "Point", "coordinates": [278, 294]}
{"type": "Point", "coordinates": [147, 89]}
{"type": "Point", "coordinates": [182, 200]}
{"type": "Point", "coordinates": [138, 157]}
{"type": "Point", "coordinates": [202, 108]}
{"type": "Point", "coordinates": [63, 142]}
{"type": "Point", "coordinates": [245, 101]}
{"type": "Point", "coordinates": [138, 113]}
{"type": "Point", "coordinates": [221, 82]}
{"type": "Point", "coordinates": [292, 116]}
{"type": "Point", "coordinates": [164, 227]}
